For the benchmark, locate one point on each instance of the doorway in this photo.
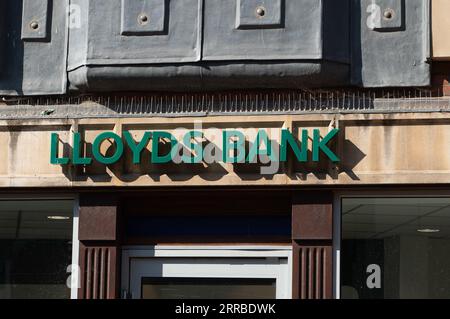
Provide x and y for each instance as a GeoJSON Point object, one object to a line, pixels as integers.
{"type": "Point", "coordinates": [207, 272]}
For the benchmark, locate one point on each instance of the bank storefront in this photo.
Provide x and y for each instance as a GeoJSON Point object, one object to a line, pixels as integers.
{"type": "Point", "coordinates": [328, 205]}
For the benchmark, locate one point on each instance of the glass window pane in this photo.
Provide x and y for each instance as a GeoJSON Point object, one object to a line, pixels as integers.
{"type": "Point", "coordinates": [208, 288]}
{"type": "Point", "coordinates": [395, 248]}
{"type": "Point", "coordinates": [35, 248]}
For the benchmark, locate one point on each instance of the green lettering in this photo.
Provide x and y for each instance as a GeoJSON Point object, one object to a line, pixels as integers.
{"type": "Point", "coordinates": [238, 146]}
{"type": "Point", "coordinates": [255, 150]}
{"type": "Point", "coordinates": [76, 158]}
{"type": "Point", "coordinates": [196, 147]}
{"type": "Point", "coordinates": [321, 145]}
{"type": "Point", "coordinates": [137, 149]}
{"type": "Point", "coordinates": [156, 158]}
{"type": "Point", "coordinates": [288, 138]}
{"type": "Point", "coordinates": [54, 159]}
{"type": "Point", "coordinates": [98, 142]}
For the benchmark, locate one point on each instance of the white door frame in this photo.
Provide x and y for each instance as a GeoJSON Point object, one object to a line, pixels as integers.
{"type": "Point", "coordinates": [130, 253]}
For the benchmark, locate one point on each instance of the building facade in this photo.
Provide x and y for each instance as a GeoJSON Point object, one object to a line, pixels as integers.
{"type": "Point", "coordinates": [224, 149]}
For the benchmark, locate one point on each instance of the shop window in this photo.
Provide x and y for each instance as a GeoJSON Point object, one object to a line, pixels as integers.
{"type": "Point", "coordinates": [35, 248]}
{"type": "Point", "coordinates": [395, 248]}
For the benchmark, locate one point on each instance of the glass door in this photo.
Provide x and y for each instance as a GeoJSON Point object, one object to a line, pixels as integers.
{"type": "Point", "coordinates": [209, 278]}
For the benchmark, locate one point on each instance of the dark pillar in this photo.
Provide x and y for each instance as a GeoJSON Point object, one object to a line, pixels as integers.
{"type": "Point", "coordinates": [99, 247]}
{"type": "Point", "coordinates": [312, 239]}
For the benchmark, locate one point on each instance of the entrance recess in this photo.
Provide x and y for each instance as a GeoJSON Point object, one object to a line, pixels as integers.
{"type": "Point", "coordinates": [207, 273]}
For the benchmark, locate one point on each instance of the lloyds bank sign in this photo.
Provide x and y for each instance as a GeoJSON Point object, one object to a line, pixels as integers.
{"type": "Point", "coordinates": [229, 146]}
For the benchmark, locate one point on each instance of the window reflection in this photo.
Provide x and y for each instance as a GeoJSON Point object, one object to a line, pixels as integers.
{"type": "Point", "coordinates": [35, 248]}
{"type": "Point", "coordinates": [395, 248]}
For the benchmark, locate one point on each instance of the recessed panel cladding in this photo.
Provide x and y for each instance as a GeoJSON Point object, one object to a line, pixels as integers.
{"type": "Point", "coordinates": [386, 14]}
{"type": "Point", "coordinates": [138, 32]}
{"type": "Point", "coordinates": [262, 30]}
{"type": "Point", "coordinates": [390, 44]}
{"type": "Point", "coordinates": [33, 47]}
{"type": "Point", "coordinates": [144, 17]}
{"type": "Point", "coordinates": [257, 14]}
{"type": "Point", "coordinates": [34, 20]}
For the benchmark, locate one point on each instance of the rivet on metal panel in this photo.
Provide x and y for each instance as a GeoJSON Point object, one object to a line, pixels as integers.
{"type": "Point", "coordinates": [143, 19]}
{"type": "Point", "coordinates": [34, 25]}
{"type": "Point", "coordinates": [257, 14]}
{"type": "Point", "coordinates": [260, 12]}
{"type": "Point", "coordinates": [389, 14]}
{"type": "Point", "coordinates": [385, 15]}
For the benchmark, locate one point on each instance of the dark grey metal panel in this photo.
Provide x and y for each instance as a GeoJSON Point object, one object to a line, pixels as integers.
{"type": "Point", "coordinates": [136, 32]}
{"type": "Point", "coordinates": [33, 64]}
{"type": "Point", "coordinates": [210, 76]}
{"type": "Point", "coordinates": [386, 15]}
{"type": "Point", "coordinates": [289, 68]}
{"type": "Point", "coordinates": [288, 29]}
{"type": "Point", "coordinates": [144, 17]}
{"type": "Point", "coordinates": [35, 20]}
{"type": "Point", "coordinates": [336, 30]}
{"type": "Point", "coordinates": [179, 45]}
{"type": "Point", "coordinates": [78, 33]}
{"type": "Point", "coordinates": [256, 14]}
{"type": "Point", "coordinates": [390, 44]}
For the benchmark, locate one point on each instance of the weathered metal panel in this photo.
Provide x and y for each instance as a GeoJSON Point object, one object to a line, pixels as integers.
{"type": "Point", "coordinates": [33, 63]}
{"type": "Point", "coordinates": [144, 17]}
{"type": "Point", "coordinates": [35, 20]}
{"type": "Point", "coordinates": [390, 43]}
{"type": "Point", "coordinates": [255, 14]}
{"type": "Point", "coordinates": [290, 41]}
{"type": "Point", "coordinates": [182, 45]}
{"type": "Point", "coordinates": [34, 60]}
{"type": "Point", "coordinates": [282, 30]}
{"type": "Point", "coordinates": [386, 15]}
{"type": "Point", "coordinates": [78, 34]}
{"type": "Point", "coordinates": [215, 75]}
{"type": "Point", "coordinates": [116, 33]}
